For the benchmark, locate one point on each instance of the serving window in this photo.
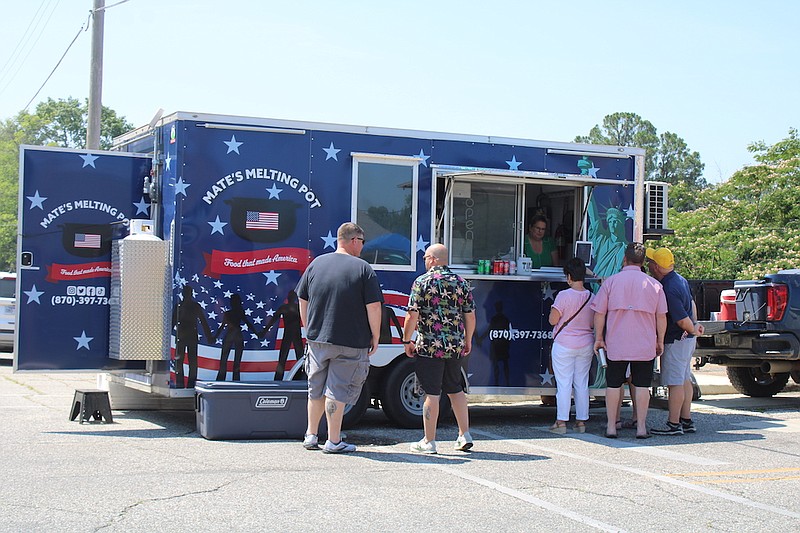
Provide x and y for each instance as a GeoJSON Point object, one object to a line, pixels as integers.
{"type": "Point", "coordinates": [384, 204]}
{"type": "Point", "coordinates": [484, 214]}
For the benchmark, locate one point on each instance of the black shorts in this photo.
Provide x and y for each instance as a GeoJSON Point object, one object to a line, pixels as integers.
{"type": "Point", "coordinates": [641, 373]}
{"type": "Point", "coordinates": [439, 375]}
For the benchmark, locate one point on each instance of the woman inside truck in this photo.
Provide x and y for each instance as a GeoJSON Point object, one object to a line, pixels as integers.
{"type": "Point", "coordinates": [538, 245]}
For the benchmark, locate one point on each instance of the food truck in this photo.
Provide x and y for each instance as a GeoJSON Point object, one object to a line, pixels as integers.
{"type": "Point", "coordinates": [172, 259]}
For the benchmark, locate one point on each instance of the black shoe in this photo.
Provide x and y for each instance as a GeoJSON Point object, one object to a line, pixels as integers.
{"type": "Point", "coordinates": [688, 425]}
{"type": "Point", "coordinates": [669, 429]}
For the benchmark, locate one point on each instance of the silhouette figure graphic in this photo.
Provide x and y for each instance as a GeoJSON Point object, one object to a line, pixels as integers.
{"type": "Point", "coordinates": [231, 328]}
{"type": "Point", "coordinates": [292, 334]}
{"type": "Point", "coordinates": [185, 316]}
{"type": "Point", "coordinates": [499, 346]}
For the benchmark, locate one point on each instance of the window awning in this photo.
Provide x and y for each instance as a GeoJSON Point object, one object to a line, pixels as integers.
{"type": "Point", "coordinates": [520, 176]}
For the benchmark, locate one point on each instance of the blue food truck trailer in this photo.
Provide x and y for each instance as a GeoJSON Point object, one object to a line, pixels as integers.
{"type": "Point", "coordinates": [172, 259]}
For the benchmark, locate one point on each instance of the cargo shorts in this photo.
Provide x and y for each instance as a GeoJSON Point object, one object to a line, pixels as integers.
{"type": "Point", "coordinates": [676, 362]}
{"type": "Point", "coordinates": [336, 372]}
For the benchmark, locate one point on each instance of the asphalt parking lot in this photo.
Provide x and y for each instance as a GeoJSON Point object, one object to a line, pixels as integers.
{"type": "Point", "coordinates": [151, 471]}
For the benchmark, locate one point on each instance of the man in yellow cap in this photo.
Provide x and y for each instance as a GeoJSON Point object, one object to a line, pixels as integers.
{"type": "Point", "coordinates": [679, 342]}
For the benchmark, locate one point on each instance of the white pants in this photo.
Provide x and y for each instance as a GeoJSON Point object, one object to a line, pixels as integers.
{"type": "Point", "coordinates": [571, 368]}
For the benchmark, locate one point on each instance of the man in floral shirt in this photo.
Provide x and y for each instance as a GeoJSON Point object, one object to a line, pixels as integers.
{"type": "Point", "coordinates": [442, 309]}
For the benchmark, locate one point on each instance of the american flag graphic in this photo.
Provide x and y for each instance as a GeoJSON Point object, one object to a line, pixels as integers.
{"type": "Point", "coordinates": [87, 240]}
{"type": "Point", "coordinates": [260, 220]}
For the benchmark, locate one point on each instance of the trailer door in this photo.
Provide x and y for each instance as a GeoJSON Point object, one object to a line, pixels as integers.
{"type": "Point", "coordinates": [72, 205]}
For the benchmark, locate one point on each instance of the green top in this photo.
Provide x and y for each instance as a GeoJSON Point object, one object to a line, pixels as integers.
{"type": "Point", "coordinates": [543, 259]}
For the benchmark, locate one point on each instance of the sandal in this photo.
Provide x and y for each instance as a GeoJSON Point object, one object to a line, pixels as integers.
{"type": "Point", "coordinates": [579, 427]}
{"type": "Point", "coordinates": [628, 423]}
{"type": "Point", "coordinates": [559, 428]}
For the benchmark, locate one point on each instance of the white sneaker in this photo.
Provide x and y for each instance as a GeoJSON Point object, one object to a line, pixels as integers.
{"type": "Point", "coordinates": [464, 442]}
{"type": "Point", "coordinates": [424, 446]}
{"type": "Point", "coordinates": [310, 442]}
{"type": "Point", "coordinates": [341, 447]}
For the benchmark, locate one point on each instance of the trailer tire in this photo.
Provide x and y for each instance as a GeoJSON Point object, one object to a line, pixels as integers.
{"type": "Point", "coordinates": [753, 382]}
{"type": "Point", "coordinates": [696, 392]}
{"type": "Point", "coordinates": [795, 376]}
{"type": "Point", "coordinates": [352, 413]}
{"type": "Point", "coordinates": [400, 399]}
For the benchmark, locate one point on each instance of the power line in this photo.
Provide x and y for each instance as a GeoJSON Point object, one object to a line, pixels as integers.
{"type": "Point", "coordinates": [83, 28]}
{"type": "Point", "coordinates": [14, 58]}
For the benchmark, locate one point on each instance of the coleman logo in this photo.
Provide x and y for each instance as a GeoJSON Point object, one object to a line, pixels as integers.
{"type": "Point", "coordinates": [271, 402]}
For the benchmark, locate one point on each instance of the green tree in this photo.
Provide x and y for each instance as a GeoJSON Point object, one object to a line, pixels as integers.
{"type": "Point", "coordinates": [667, 157]}
{"type": "Point", "coordinates": [625, 129]}
{"type": "Point", "coordinates": [53, 123]}
{"type": "Point", "coordinates": [747, 226]}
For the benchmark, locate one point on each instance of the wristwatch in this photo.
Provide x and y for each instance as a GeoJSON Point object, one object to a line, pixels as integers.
{"type": "Point", "coordinates": [405, 342]}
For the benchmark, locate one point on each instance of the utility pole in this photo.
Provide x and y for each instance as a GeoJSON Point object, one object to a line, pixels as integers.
{"type": "Point", "coordinates": [96, 77]}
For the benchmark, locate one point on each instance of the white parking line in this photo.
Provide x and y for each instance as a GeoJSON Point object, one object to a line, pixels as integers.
{"type": "Point", "coordinates": [651, 450]}
{"type": "Point", "coordinates": [567, 513]}
{"type": "Point", "coordinates": [643, 473]}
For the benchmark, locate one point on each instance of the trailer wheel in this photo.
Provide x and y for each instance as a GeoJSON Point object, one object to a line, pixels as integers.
{"type": "Point", "coordinates": [401, 400]}
{"type": "Point", "coordinates": [696, 392]}
{"type": "Point", "coordinates": [352, 413]}
{"type": "Point", "coordinates": [795, 376]}
{"type": "Point", "coordinates": [753, 382]}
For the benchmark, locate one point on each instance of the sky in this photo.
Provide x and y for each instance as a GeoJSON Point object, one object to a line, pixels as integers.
{"type": "Point", "coordinates": [719, 74]}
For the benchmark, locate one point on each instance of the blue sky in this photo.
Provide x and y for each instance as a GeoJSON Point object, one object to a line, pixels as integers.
{"type": "Point", "coordinates": [720, 74]}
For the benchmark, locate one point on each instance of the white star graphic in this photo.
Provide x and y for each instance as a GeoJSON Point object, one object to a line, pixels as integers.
{"type": "Point", "coordinates": [251, 297]}
{"type": "Point", "coordinates": [272, 277]}
{"type": "Point", "coordinates": [270, 312]}
{"type": "Point", "coordinates": [330, 152]}
{"type": "Point", "coordinates": [36, 200]}
{"type": "Point", "coordinates": [421, 244]}
{"type": "Point", "coordinates": [83, 341]}
{"type": "Point", "coordinates": [88, 160]}
{"type": "Point", "coordinates": [195, 278]}
{"type": "Point", "coordinates": [630, 212]}
{"type": "Point", "coordinates": [330, 240]}
{"type": "Point", "coordinates": [142, 206]}
{"type": "Point", "coordinates": [180, 187]}
{"type": "Point", "coordinates": [274, 192]}
{"type": "Point", "coordinates": [212, 315]}
{"type": "Point", "coordinates": [227, 294]}
{"type": "Point", "coordinates": [202, 304]}
{"type": "Point", "coordinates": [593, 171]}
{"type": "Point", "coordinates": [218, 284]}
{"type": "Point", "coordinates": [547, 291]}
{"type": "Point", "coordinates": [180, 280]}
{"type": "Point", "coordinates": [217, 225]}
{"type": "Point", "coordinates": [259, 305]}
{"type": "Point", "coordinates": [424, 157]}
{"type": "Point", "coordinates": [547, 377]}
{"type": "Point", "coordinates": [233, 145]}
{"type": "Point", "coordinates": [33, 295]}
{"type": "Point", "coordinates": [513, 164]}
{"type": "Point", "coordinates": [265, 343]}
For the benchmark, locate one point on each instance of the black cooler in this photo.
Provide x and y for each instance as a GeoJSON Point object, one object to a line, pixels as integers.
{"type": "Point", "coordinates": [263, 410]}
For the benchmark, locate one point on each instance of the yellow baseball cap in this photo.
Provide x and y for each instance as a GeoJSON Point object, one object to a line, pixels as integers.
{"type": "Point", "coordinates": [662, 256]}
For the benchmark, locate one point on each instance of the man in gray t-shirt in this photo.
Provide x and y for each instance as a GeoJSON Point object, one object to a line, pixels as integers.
{"type": "Point", "coordinates": [340, 306]}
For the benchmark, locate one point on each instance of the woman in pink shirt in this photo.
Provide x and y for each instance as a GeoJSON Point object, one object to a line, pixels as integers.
{"type": "Point", "coordinates": [573, 341]}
